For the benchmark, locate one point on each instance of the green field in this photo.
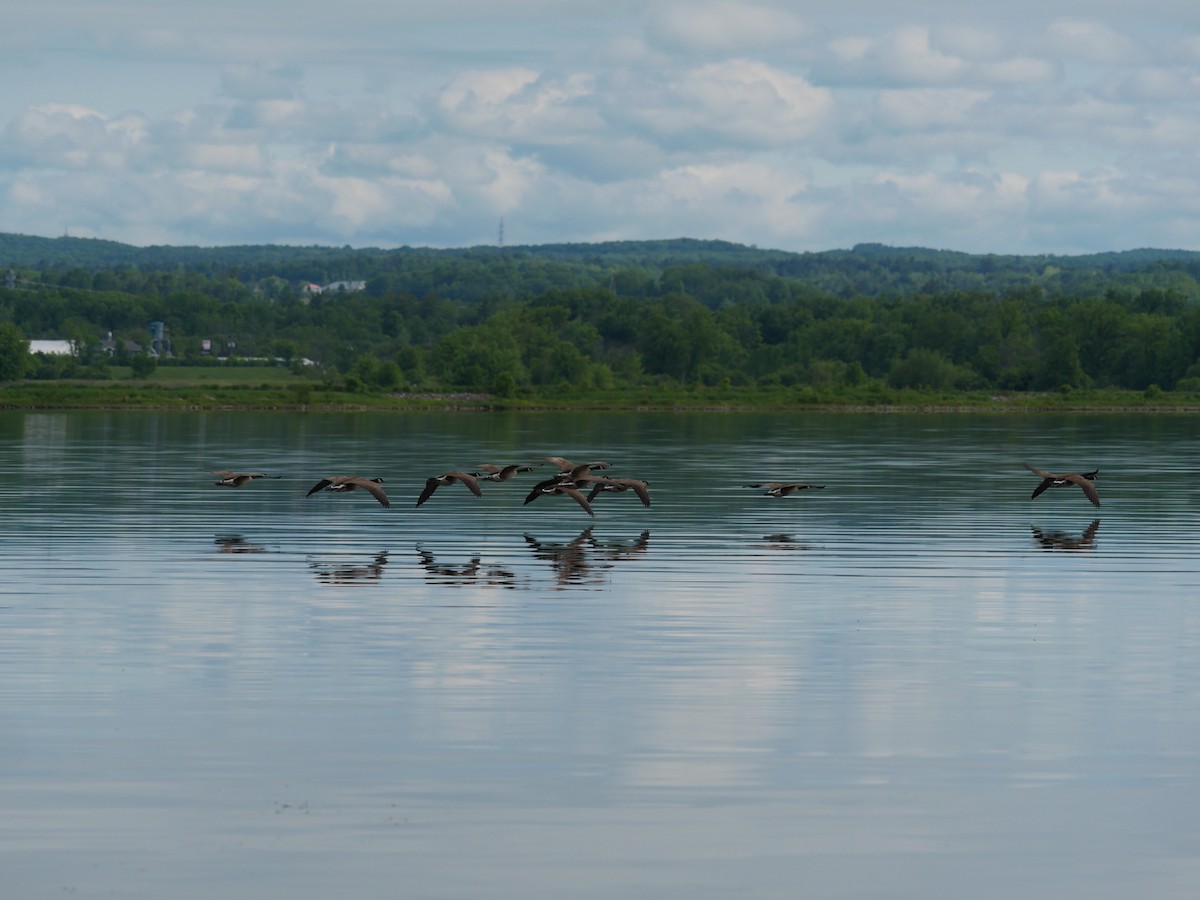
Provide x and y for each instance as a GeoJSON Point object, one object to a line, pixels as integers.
{"type": "Point", "coordinates": [250, 388]}
{"type": "Point", "coordinates": [223, 375]}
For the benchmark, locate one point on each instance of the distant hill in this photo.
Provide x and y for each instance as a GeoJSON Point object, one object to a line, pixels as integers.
{"type": "Point", "coordinates": [471, 273]}
{"type": "Point", "coordinates": [633, 315]}
{"type": "Point", "coordinates": [94, 253]}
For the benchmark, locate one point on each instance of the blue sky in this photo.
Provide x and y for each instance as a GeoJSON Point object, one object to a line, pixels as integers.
{"type": "Point", "coordinates": [1060, 127]}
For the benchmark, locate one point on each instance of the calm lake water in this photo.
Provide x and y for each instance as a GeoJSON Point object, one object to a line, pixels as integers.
{"type": "Point", "coordinates": [917, 682]}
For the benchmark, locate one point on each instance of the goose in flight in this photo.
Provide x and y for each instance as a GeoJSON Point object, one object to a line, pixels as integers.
{"type": "Point", "coordinates": [565, 465]}
{"type": "Point", "coordinates": [1052, 479]}
{"type": "Point", "coordinates": [618, 485]}
{"type": "Point", "coordinates": [341, 484]}
{"type": "Point", "coordinates": [783, 488]}
{"type": "Point", "coordinates": [237, 479]}
{"type": "Point", "coordinates": [432, 484]}
{"type": "Point", "coordinates": [488, 472]}
{"type": "Point", "coordinates": [560, 486]}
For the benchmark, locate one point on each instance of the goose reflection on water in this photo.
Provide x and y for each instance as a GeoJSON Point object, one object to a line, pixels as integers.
{"type": "Point", "coordinates": [783, 541]}
{"type": "Point", "coordinates": [567, 558]}
{"type": "Point", "coordinates": [1052, 539]}
{"type": "Point", "coordinates": [236, 543]}
{"type": "Point", "coordinates": [585, 560]}
{"type": "Point", "coordinates": [622, 549]}
{"type": "Point", "coordinates": [346, 573]}
{"type": "Point", "coordinates": [470, 573]}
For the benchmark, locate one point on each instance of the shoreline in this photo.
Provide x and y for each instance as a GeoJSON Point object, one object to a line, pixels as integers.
{"type": "Point", "coordinates": [261, 396]}
{"type": "Point", "coordinates": [433, 405]}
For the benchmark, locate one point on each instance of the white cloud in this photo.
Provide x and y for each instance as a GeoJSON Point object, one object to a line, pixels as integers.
{"type": "Point", "coordinates": [920, 108]}
{"type": "Point", "coordinates": [738, 103]}
{"type": "Point", "coordinates": [963, 197]}
{"type": "Point", "coordinates": [907, 56]}
{"type": "Point", "coordinates": [484, 97]}
{"type": "Point", "coordinates": [424, 122]}
{"type": "Point", "coordinates": [725, 27]}
{"type": "Point", "coordinates": [918, 55]}
{"type": "Point", "coordinates": [1187, 48]}
{"type": "Point", "coordinates": [1090, 195]}
{"type": "Point", "coordinates": [962, 210]}
{"type": "Point", "coordinates": [357, 203]}
{"type": "Point", "coordinates": [376, 159]}
{"type": "Point", "coordinates": [1023, 70]}
{"type": "Point", "coordinates": [716, 196]}
{"type": "Point", "coordinates": [1160, 84]}
{"type": "Point", "coordinates": [518, 104]}
{"type": "Point", "coordinates": [1092, 41]}
{"type": "Point", "coordinates": [851, 50]}
{"type": "Point", "coordinates": [258, 82]}
{"type": "Point", "coordinates": [218, 158]}
{"type": "Point", "coordinates": [71, 136]}
{"type": "Point", "coordinates": [610, 157]}
{"type": "Point", "coordinates": [972, 42]}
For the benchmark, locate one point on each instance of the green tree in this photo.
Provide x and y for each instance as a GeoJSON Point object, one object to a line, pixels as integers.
{"type": "Point", "coordinates": [475, 356]}
{"type": "Point", "coordinates": [1155, 352]}
{"type": "Point", "coordinates": [143, 365]}
{"type": "Point", "coordinates": [1006, 356]}
{"type": "Point", "coordinates": [922, 368]}
{"type": "Point", "coordinates": [1100, 328]}
{"type": "Point", "coordinates": [1058, 360]}
{"type": "Point", "coordinates": [14, 352]}
{"type": "Point", "coordinates": [679, 335]}
{"type": "Point", "coordinates": [388, 375]}
{"type": "Point", "coordinates": [285, 349]}
{"type": "Point", "coordinates": [504, 385]}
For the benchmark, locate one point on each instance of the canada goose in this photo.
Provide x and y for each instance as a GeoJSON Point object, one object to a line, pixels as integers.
{"type": "Point", "coordinates": [432, 484]}
{"type": "Point", "coordinates": [501, 473]}
{"type": "Point", "coordinates": [237, 479]}
{"type": "Point", "coordinates": [565, 465]}
{"type": "Point", "coordinates": [783, 489]}
{"type": "Point", "coordinates": [617, 485]}
{"type": "Point", "coordinates": [578, 477]}
{"type": "Point", "coordinates": [341, 484]}
{"type": "Point", "coordinates": [559, 486]}
{"type": "Point", "coordinates": [1050, 479]}
{"type": "Point", "coordinates": [547, 485]}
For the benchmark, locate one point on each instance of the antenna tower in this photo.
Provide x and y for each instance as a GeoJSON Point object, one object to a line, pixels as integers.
{"type": "Point", "coordinates": [501, 236]}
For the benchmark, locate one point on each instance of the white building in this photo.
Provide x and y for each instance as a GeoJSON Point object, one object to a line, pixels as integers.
{"type": "Point", "coordinates": [52, 348]}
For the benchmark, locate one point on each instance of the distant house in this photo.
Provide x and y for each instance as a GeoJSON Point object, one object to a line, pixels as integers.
{"type": "Point", "coordinates": [52, 348]}
{"type": "Point", "coordinates": [110, 345]}
{"type": "Point", "coordinates": [160, 343]}
{"type": "Point", "coordinates": [348, 287]}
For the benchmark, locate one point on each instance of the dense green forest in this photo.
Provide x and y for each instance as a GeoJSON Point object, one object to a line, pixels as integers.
{"type": "Point", "coordinates": [507, 320]}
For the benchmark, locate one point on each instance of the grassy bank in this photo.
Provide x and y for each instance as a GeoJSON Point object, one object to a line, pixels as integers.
{"type": "Point", "coordinates": [276, 389]}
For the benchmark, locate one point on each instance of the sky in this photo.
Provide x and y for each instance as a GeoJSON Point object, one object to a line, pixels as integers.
{"type": "Point", "coordinates": [1062, 126]}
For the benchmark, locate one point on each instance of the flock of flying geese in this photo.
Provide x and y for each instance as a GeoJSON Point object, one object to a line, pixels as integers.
{"type": "Point", "coordinates": [572, 479]}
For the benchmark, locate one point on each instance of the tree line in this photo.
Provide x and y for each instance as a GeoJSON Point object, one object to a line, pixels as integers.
{"type": "Point", "coordinates": [650, 315]}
